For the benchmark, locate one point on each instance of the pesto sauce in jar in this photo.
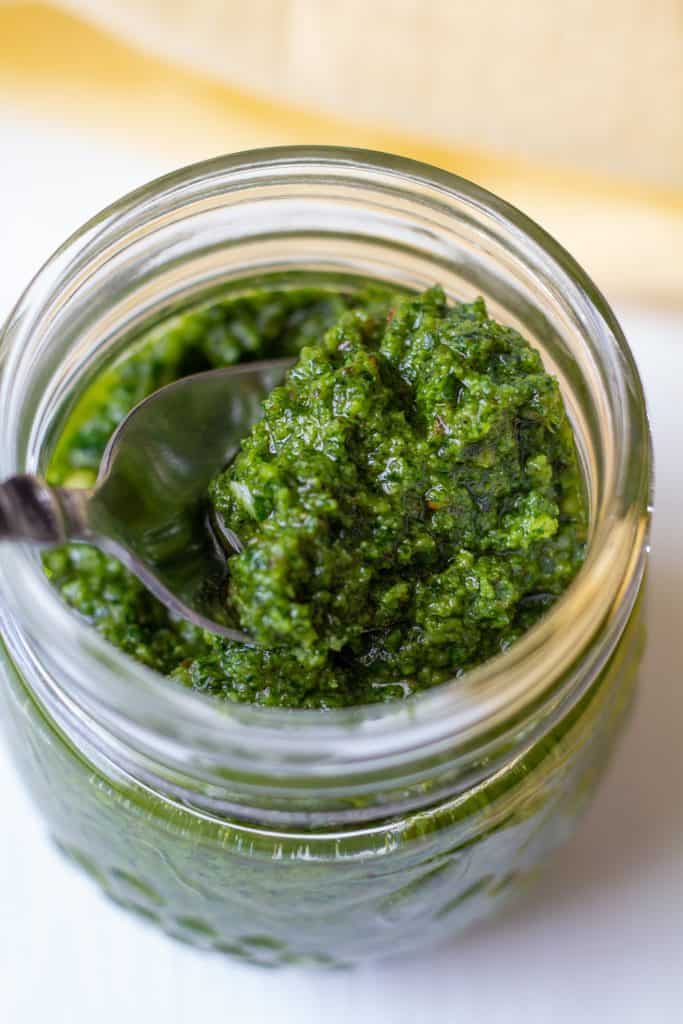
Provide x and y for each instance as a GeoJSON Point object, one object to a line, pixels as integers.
{"type": "Point", "coordinates": [410, 502]}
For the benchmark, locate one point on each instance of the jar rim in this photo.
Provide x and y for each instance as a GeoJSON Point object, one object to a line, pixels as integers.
{"type": "Point", "coordinates": [463, 711]}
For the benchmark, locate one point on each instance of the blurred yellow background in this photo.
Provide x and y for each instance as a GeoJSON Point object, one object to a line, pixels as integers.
{"type": "Point", "coordinates": [623, 219]}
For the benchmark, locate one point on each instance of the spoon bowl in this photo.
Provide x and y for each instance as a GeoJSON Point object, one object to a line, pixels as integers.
{"type": "Point", "coordinates": [149, 506]}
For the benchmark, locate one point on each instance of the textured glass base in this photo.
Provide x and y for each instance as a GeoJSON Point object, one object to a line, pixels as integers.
{"type": "Point", "coordinates": [274, 898]}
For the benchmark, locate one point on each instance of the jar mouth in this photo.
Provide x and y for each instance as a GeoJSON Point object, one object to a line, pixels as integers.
{"type": "Point", "coordinates": [539, 670]}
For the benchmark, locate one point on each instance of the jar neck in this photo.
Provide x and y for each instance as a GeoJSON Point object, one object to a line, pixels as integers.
{"type": "Point", "coordinates": [279, 790]}
{"type": "Point", "coordinates": [350, 214]}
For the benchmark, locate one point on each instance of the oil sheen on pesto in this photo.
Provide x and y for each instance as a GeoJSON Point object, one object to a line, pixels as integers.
{"type": "Point", "coordinates": [409, 504]}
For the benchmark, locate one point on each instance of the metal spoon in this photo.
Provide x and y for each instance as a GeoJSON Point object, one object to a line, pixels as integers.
{"type": "Point", "coordinates": [148, 507]}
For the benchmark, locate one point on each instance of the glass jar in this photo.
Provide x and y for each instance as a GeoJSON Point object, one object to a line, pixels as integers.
{"type": "Point", "coordinates": [303, 836]}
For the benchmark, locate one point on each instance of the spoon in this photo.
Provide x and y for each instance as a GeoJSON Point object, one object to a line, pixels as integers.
{"type": "Point", "coordinates": [149, 504]}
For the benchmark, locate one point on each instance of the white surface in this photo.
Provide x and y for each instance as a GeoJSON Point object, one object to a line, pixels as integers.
{"type": "Point", "coordinates": [600, 939]}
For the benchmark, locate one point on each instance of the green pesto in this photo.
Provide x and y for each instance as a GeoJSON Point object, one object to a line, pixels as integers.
{"type": "Point", "coordinates": [410, 502]}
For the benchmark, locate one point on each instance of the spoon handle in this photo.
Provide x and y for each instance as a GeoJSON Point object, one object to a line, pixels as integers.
{"type": "Point", "coordinates": [31, 510]}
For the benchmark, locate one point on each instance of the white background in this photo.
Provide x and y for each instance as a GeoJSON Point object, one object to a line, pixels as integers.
{"type": "Point", "coordinates": [601, 937]}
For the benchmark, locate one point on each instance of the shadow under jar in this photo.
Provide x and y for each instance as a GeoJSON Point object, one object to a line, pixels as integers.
{"type": "Point", "coordinates": [309, 836]}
